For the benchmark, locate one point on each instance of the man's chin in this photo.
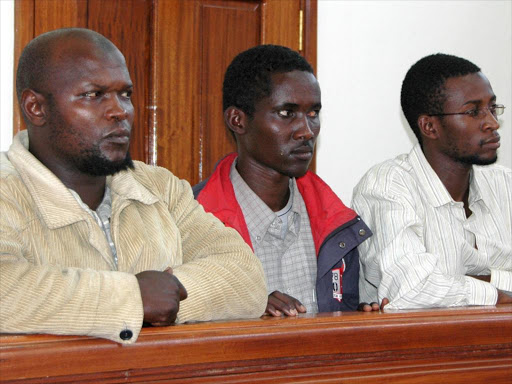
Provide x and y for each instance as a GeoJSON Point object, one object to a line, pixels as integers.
{"type": "Point", "coordinates": [478, 160]}
{"type": "Point", "coordinates": [125, 164]}
{"type": "Point", "coordinates": [296, 173]}
{"type": "Point", "coordinates": [101, 166]}
{"type": "Point", "coordinates": [486, 161]}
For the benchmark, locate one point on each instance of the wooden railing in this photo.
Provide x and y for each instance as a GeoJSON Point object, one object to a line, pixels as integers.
{"type": "Point", "coordinates": [461, 345]}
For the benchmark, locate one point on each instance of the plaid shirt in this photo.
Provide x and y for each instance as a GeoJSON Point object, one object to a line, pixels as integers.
{"type": "Point", "coordinates": [289, 261]}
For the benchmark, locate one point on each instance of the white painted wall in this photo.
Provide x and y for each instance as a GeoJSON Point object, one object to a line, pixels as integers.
{"type": "Point", "coordinates": [6, 67]}
{"type": "Point", "coordinates": [364, 51]}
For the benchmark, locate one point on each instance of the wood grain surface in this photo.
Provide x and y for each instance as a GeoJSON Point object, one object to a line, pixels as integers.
{"type": "Point", "coordinates": [457, 345]}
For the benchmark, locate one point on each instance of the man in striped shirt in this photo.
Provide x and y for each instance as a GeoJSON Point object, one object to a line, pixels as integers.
{"type": "Point", "coordinates": [441, 215]}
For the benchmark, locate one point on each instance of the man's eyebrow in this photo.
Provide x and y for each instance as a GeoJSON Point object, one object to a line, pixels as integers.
{"type": "Point", "coordinates": [478, 101]}
{"type": "Point", "coordinates": [295, 106]}
{"type": "Point", "coordinates": [287, 106]}
{"type": "Point", "coordinates": [94, 85]}
{"type": "Point", "coordinates": [104, 87]}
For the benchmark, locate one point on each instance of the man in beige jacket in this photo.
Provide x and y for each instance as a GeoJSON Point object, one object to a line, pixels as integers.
{"type": "Point", "coordinates": [91, 242]}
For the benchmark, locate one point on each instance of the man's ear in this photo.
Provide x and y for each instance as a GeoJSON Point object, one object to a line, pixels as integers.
{"type": "Point", "coordinates": [33, 105]}
{"type": "Point", "coordinates": [429, 126]}
{"type": "Point", "coordinates": [236, 120]}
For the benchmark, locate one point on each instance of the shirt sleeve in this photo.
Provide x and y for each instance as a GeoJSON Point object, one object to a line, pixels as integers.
{"type": "Point", "coordinates": [395, 260]}
{"type": "Point", "coordinates": [223, 277]}
{"type": "Point", "coordinates": [502, 280]}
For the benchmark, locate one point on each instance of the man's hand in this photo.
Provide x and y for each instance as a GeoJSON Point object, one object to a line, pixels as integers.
{"type": "Point", "coordinates": [161, 295]}
{"type": "Point", "coordinates": [486, 278]}
{"type": "Point", "coordinates": [503, 298]}
{"type": "Point", "coordinates": [279, 303]}
{"type": "Point", "coordinates": [365, 307]}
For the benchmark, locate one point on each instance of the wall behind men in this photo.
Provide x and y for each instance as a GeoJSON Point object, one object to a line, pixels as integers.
{"type": "Point", "coordinates": [364, 51]}
{"type": "Point", "coordinates": [6, 66]}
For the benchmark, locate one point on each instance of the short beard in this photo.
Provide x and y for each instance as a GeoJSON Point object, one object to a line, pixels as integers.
{"type": "Point", "coordinates": [92, 162]}
{"type": "Point", "coordinates": [476, 160]}
{"type": "Point", "coordinates": [468, 159]}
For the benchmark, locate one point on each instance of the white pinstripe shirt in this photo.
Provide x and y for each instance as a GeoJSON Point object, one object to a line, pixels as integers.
{"type": "Point", "coordinates": [423, 245]}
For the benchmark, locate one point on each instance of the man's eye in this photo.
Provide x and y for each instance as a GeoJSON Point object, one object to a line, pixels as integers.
{"type": "Point", "coordinates": [314, 113]}
{"type": "Point", "coordinates": [127, 94]}
{"type": "Point", "coordinates": [92, 94]}
{"type": "Point", "coordinates": [285, 113]}
{"type": "Point", "coordinates": [473, 112]}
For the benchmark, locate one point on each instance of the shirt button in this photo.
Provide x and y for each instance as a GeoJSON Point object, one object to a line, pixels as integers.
{"type": "Point", "coordinates": [342, 244]}
{"type": "Point", "coordinates": [126, 334]}
{"type": "Point", "coordinates": [362, 232]}
{"type": "Point", "coordinates": [258, 238]}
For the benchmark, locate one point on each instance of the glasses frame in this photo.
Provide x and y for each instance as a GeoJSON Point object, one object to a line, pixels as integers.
{"type": "Point", "coordinates": [497, 107]}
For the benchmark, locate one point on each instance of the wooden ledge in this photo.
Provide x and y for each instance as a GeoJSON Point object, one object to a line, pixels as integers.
{"type": "Point", "coordinates": [458, 343]}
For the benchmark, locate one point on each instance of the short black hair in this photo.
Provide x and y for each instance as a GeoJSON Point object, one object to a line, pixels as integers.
{"type": "Point", "coordinates": [35, 63]}
{"type": "Point", "coordinates": [249, 76]}
{"type": "Point", "coordinates": [423, 86]}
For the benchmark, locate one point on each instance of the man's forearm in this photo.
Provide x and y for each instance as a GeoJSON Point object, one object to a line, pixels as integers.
{"type": "Point", "coordinates": [486, 278]}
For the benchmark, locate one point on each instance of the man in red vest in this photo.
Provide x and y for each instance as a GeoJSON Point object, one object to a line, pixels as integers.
{"type": "Point", "coordinates": [304, 235]}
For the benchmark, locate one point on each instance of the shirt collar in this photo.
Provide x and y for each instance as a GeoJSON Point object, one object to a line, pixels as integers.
{"type": "Point", "coordinates": [433, 187]}
{"type": "Point", "coordinates": [258, 215]}
{"type": "Point", "coordinates": [104, 210]}
{"type": "Point", "coordinates": [475, 190]}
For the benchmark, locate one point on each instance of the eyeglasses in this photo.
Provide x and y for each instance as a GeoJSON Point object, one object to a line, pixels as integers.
{"type": "Point", "coordinates": [477, 113]}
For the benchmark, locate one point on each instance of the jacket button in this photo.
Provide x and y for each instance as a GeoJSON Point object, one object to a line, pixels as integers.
{"type": "Point", "coordinates": [362, 232]}
{"type": "Point", "coordinates": [126, 334]}
{"type": "Point", "coordinates": [342, 244]}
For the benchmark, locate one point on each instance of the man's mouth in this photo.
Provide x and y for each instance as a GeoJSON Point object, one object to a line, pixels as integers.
{"type": "Point", "coordinates": [493, 142]}
{"type": "Point", "coordinates": [304, 152]}
{"type": "Point", "coordinates": [118, 137]}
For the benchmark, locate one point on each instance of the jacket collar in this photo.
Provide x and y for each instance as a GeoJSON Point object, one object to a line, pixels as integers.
{"type": "Point", "coordinates": [325, 209]}
{"type": "Point", "coordinates": [53, 199]}
{"type": "Point", "coordinates": [218, 197]}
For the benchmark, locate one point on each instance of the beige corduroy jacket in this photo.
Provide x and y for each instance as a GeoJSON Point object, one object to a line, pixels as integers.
{"type": "Point", "coordinates": [56, 270]}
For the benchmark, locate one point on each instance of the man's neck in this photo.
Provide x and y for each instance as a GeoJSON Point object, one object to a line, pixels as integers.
{"type": "Point", "coordinates": [271, 186]}
{"type": "Point", "coordinates": [91, 191]}
{"type": "Point", "coordinates": [454, 175]}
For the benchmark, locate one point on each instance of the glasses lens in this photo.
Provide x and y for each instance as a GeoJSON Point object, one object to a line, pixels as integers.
{"type": "Point", "coordinates": [499, 109]}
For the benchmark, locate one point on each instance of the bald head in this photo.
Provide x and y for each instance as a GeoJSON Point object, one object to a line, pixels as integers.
{"type": "Point", "coordinates": [41, 58]}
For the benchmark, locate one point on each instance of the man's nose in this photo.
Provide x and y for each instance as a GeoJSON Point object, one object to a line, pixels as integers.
{"type": "Point", "coordinates": [304, 130]}
{"type": "Point", "coordinates": [490, 120]}
{"type": "Point", "coordinates": [117, 109]}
